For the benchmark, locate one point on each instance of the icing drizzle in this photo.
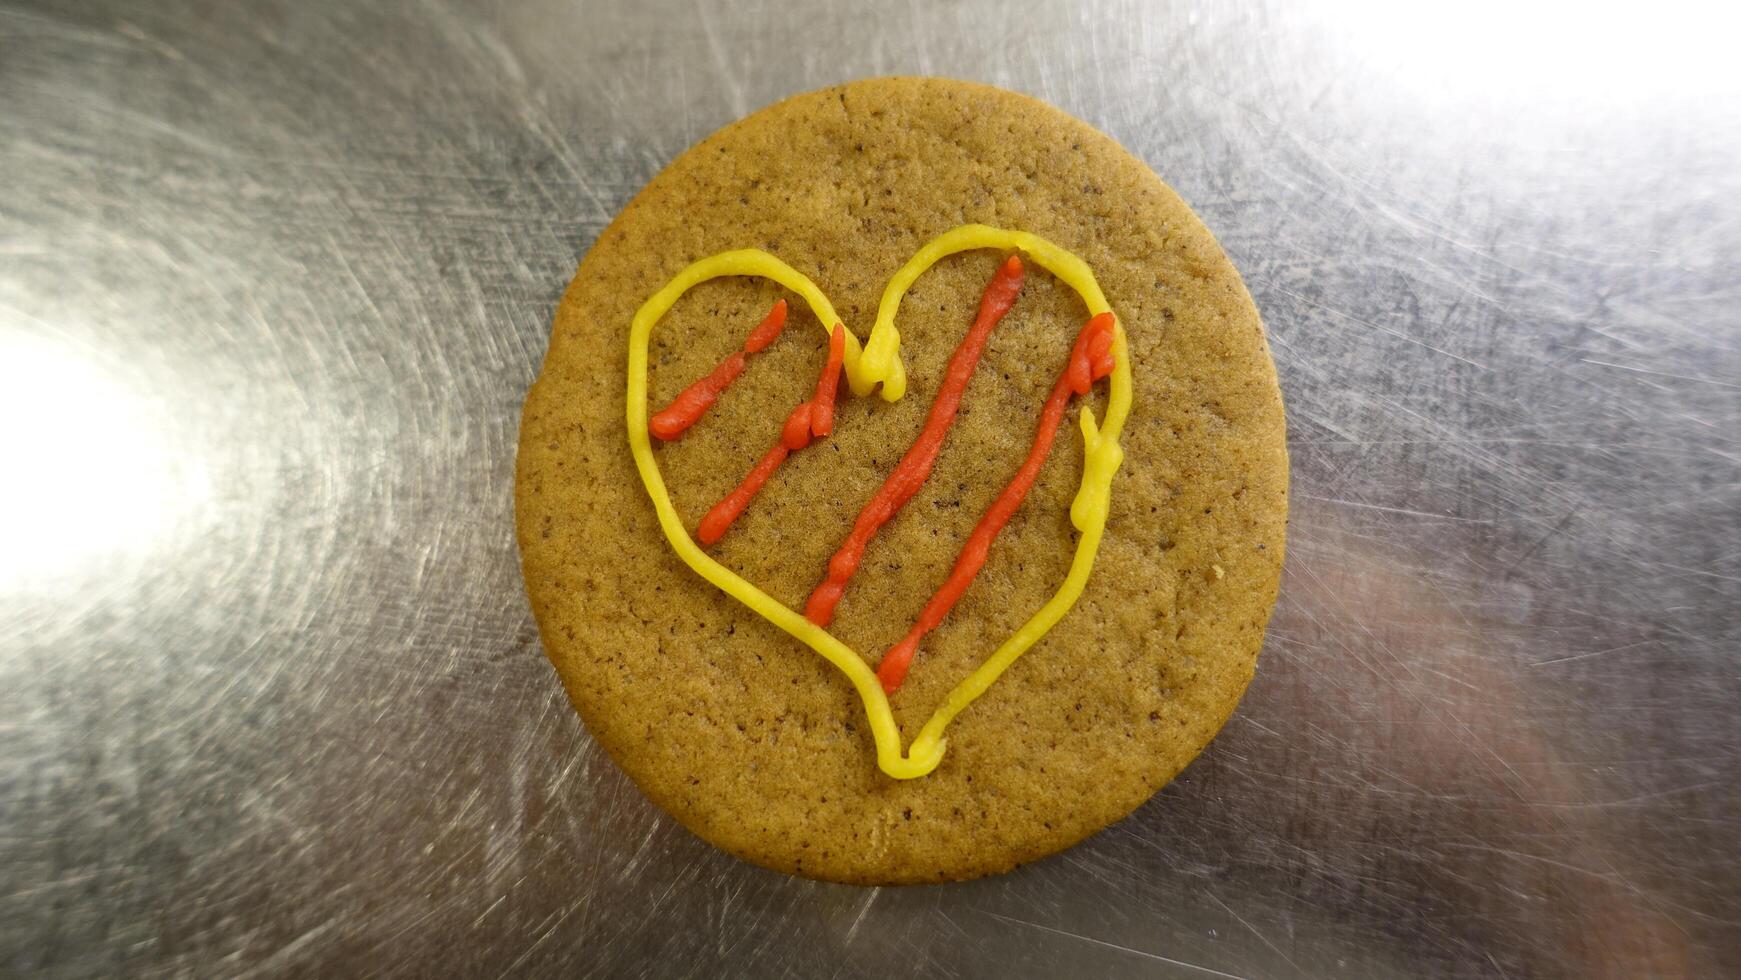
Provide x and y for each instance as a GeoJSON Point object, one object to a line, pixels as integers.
{"type": "Point", "coordinates": [915, 467]}
{"type": "Point", "coordinates": [877, 362]}
{"type": "Point", "coordinates": [689, 406]}
{"type": "Point", "coordinates": [1080, 372]}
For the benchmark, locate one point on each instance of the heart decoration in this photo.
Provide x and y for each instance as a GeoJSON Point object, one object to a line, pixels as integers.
{"type": "Point", "coordinates": [877, 362]}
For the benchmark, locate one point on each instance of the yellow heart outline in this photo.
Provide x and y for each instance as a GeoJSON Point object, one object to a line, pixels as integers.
{"type": "Point", "coordinates": [878, 362]}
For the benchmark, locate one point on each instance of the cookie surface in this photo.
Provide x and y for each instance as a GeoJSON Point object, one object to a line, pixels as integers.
{"type": "Point", "coordinates": [745, 735]}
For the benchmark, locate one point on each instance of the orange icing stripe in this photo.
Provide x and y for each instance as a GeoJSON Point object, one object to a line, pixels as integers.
{"type": "Point", "coordinates": [768, 330]}
{"type": "Point", "coordinates": [827, 386]}
{"type": "Point", "coordinates": [693, 402]}
{"type": "Point", "coordinates": [795, 434]}
{"type": "Point", "coordinates": [719, 517]}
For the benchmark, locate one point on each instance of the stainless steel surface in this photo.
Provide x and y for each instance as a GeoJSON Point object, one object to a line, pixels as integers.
{"type": "Point", "coordinates": [274, 278]}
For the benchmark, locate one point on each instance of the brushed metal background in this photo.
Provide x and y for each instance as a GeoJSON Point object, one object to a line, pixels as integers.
{"type": "Point", "coordinates": [275, 276]}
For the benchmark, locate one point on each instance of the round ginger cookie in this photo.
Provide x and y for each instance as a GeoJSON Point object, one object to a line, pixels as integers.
{"type": "Point", "coordinates": [742, 732]}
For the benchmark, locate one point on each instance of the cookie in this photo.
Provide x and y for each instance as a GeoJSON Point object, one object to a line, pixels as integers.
{"type": "Point", "coordinates": [1135, 570]}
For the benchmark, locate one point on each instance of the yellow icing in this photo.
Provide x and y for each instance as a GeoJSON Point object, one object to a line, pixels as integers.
{"type": "Point", "coordinates": [878, 362]}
